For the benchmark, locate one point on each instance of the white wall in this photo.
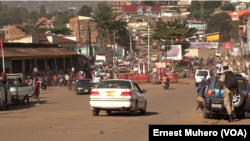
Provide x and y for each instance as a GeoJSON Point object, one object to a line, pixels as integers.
{"type": "Point", "coordinates": [71, 38]}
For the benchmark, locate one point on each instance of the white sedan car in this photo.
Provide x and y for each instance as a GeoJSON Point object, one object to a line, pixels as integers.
{"type": "Point", "coordinates": [217, 53]}
{"type": "Point", "coordinates": [97, 78]}
{"type": "Point", "coordinates": [118, 95]}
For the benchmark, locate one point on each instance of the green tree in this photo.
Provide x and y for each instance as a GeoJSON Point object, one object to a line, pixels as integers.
{"type": "Point", "coordinates": [33, 16]}
{"type": "Point", "coordinates": [172, 31]}
{"type": "Point", "coordinates": [63, 31]}
{"type": "Point", "coordinates": [31, 29]}
{"type": "Point", "coordinates": [62, 19]}
{"type": "Point", "coordinates": [149, 3]}
{"type": "Point", "coordinates": [85, 11]}
{"type": "Point", "coordinates": [228, 7]}
{"type": "Point", "coordinates": [211, 5]}
{"type": "Point", "coordinates": [220, 22]}
{"type": "Point", "coordinates": [235, 30]}
{"type": "Point", "coordinates": [243, 17]}
{"type": "Point", "coordinates": [42, 12]}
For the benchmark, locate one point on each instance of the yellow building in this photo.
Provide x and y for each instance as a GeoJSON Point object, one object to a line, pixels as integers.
{"type": "Point", "coordinates": [212, 36]}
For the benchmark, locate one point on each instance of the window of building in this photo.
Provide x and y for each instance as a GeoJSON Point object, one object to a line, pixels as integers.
{"type": "Point", "coordinates": [115, 2]}
{"type": "Point", "coordinates": [118, 2]}
{"type": "Point", "coordinates": [72, 49]}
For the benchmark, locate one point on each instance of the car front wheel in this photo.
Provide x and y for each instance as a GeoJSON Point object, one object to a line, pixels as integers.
{"type": "Point", "coordinates": [95, 112]}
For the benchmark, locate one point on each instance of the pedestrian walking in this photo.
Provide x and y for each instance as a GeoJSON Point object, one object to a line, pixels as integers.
{"type": "Point", "coordinates": [229, 85]}
{"type": "Point", "coordinates": [200, 100]}
{"type": "Point", "coordinates": [37, 89]}
{"type": "Point", "coordinates": [154, 77]}
{"type": "Point", "coordinates": [54, 79]}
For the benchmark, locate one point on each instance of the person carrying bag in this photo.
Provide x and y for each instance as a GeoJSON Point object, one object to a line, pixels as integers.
{"type": "Point", "coordinates": [200, 98]}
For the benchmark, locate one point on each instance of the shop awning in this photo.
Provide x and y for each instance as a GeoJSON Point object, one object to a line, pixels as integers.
{"type": "Point", "coordinates": [36, 52]}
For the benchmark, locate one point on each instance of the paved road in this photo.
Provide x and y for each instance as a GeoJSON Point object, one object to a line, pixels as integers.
{"type": "Point", "coordinates": [65, 116]}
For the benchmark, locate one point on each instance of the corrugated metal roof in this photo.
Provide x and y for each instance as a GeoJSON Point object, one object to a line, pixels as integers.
{"type": "Point", "coordinates": [36, 51]}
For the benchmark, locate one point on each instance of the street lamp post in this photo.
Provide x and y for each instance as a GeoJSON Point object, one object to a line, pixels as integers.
{"type": "Point", "coordinates": [148, 9]}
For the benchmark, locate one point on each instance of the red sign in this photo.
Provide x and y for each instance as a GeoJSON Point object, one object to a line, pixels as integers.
{"type": "Point", "coordinates": [227, 45]}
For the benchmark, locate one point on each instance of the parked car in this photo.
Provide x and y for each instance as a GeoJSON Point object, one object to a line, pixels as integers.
{"type": "Point", "coordinates": [122, 67]}
{"type": "Point", "coordinates": [154, 58]}
{"type": "Point", "coordinates": [106, 71]}
{"type": "Point", "coordinates": [199, 75]}
{"type": "Point", "coordinates": [215, 104]}
{"type": "Point", "coordinates": [118, 95]}
{"type": "Point", "coordinates": [84, 86]}
{"type": "Point", "coordinates": [143, 52]}
{"type": "Point", "coordinates": [217, 53]}
{"type": "Point", "coordinates": [135, 68]}
{"type": "Point", "coordinates": [19, 90]}
{"type": "Point", "coordinates": [218, 64]}
{"type": "Point", "coordinates": [97, 78]}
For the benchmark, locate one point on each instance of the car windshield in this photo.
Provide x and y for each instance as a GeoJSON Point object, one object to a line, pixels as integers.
{"type": "Point", "coordinates": [202, 73]}
{"type": "Point", "coordinates": [11, 82]}
{"type": "Point", "coordinates": [104, 71]}
{"type": "Point", "coordinates": [100, 75]}
{"type": "Point", "coordinates": [85, 82]}
{"type": "Point", "coordinates": [241, 84]}
{"type": "Point", "coordinates": [218, 51]}
{"type": "Point", "coordinates": [115, 84]}
{"type": "Point", "coordinates": [121, 65]}
{"type": "Point", "coordinates": [154, 56]}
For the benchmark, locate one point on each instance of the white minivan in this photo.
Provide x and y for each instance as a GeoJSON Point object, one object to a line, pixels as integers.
{"type": "Point", "coordinates": [199, 75]}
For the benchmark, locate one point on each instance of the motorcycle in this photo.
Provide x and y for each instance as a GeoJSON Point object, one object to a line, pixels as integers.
{"type": "Point", "coordinates": [61, 82]}
{"type": "Point", "coordinates": [72, 86]}
{"type": "Point", "coordinates": [166, 84]}
{"type": "Point", "coordinates": [65, 83]}
{"type": "Point", "coordinates": [44, 85]}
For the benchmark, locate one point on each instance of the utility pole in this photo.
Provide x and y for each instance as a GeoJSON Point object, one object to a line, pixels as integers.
{"type": "Point", "coordinates": [90, 47]}
{"type": "Point", "coordinates": [130, 40]}
{"type": "Point", "coordinates": [80, 40]}
{"type": "Point", "coordinates": [87, 49]}
{"type": "Point", "coordinates": [114, 42]}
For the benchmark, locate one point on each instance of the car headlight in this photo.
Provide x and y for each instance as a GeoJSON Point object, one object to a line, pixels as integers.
{"type": "Point", "coordinates": [79, 88]}
{"type": "Point", "coordinates": [13, 93]}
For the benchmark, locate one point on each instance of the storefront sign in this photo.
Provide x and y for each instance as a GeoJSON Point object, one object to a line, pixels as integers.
{"type": "Point", "coordinates": [227, 45]}
{"type": "Point", "coordinates": [204, 45]}
{"type": "Point", "coordinates": [174, 53]}
{"type": "Point", "coordinates": [141, 66]}
{"type": "Point", "coordinates": [161, 65]}
{"type": "Point", "coordinates": [236, 49]}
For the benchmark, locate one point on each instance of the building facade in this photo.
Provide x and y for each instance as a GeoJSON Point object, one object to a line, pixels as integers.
{"type": "Point", "coordinates": [12, 32]}
{"type": "Point", "coordinates": [117, 5]}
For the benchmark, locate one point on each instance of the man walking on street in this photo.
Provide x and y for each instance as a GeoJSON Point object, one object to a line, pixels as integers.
{"type": "Point", "coordinates": [37, 91]}
{"type": "Point", "coordinates": [228, 92]}
{"type": "Point", "coordinates": [154, 77]}
{"type": "Point", "coordinates": [5, 87]}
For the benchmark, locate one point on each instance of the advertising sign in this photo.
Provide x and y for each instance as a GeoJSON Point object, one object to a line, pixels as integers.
{"type": "Point", "coordinates": [204, 45]}
{"type": "Point", "coordinates": [161, 65]}
{"type": "Point", "coordinates": [236, 53]}
{"type": "Point", "coordinates": [174, 53]}
{"type": "Point", "coordinates": [236, 49]}
{"type": "Point", "coordinates": [141, 66]}
{"type": "Point", "coordinates": [227, 45]}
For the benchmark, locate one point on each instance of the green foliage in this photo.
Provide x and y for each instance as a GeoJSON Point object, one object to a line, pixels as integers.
{"type": "Point", "coordinates": [64, 31]}
{"type": "Point", "coordinates": [172, 31]}
{"type": "Point", "coordinates": [220, 22]}
{"type": "Point", "coordinates": [228, 7]}
{"type": "Point", "coordinates": [31, 29]}
{"type": "Point", "coordinates": [33, 16]}
{"type": "Point", "coordinates": [85, 11]}
{"type": "Point", "coordinates": [42, 12]}
{"type": "Point", "coordinates": [243, 17]}
{"type": "Point", "coordinates": [149, 3]}
{"type": "Point", "coordinates": [211, 5]}
{"type": "Point", "coordinates": [235, 30]}
{"type": "Point", "coordinates": [172, 8]}
{"type": "Point", "coordinates": [62, 19]}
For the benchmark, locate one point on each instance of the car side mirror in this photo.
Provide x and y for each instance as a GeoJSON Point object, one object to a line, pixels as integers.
{"type": "Point", "coordinates": [144, 91]}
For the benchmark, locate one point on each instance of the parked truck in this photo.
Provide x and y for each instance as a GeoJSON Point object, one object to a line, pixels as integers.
{"type": "Point", "coordinates": [107, 58]}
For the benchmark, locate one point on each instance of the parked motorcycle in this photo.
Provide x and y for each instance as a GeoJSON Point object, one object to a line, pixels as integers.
{"type": "Point", "coordinates": [61, 82]}
{"type": "Point", "coordinates": [65, 83]}
{"type": "Point", "coordinates": [44, 85]}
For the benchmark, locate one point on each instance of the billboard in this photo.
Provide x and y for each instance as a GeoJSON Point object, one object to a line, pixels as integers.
{"type": "Point", "coordinates": [204, 45]}
{"type": "Point", "coordinates": [235, 53]}
{"type": "Point", "coordinates": [161, 64]}
{"type": "Point", "coordinates": [227, 45]}
{"type": "Point", "coordinates": [174, 53]}
{"type": "Point", "coordinates": [141, 66]}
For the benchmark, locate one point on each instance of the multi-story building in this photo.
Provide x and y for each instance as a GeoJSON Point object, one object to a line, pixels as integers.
{"type": "Point", "coordinates": [167, 3]}
{"type": "Point", "coordinates": [140, 9]}
{"type": "Point", "coordinates": [12, 32]}
{"type": "Point", "coordinates": [79, 26]}
{"type": "Point", "coordinates": [240, 6]}
{"type": "Point", "coordinates": [117, 5]}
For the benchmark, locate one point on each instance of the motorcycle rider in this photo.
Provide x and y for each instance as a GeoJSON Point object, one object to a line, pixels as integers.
{"type": "Point", "coordinates": [66, 77]}
{"type": "Point", "coordinates": [101, 79]}
{"type": "Point", "coordinates": [165, 79]}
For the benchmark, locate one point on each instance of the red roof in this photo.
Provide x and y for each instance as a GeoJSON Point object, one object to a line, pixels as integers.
{"type": "Point", "coordinates": [42, 19]}
{"type": "Point", "coordinates": [108, 54]}
{"type": "Point", "coordinates": [132, 9]}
